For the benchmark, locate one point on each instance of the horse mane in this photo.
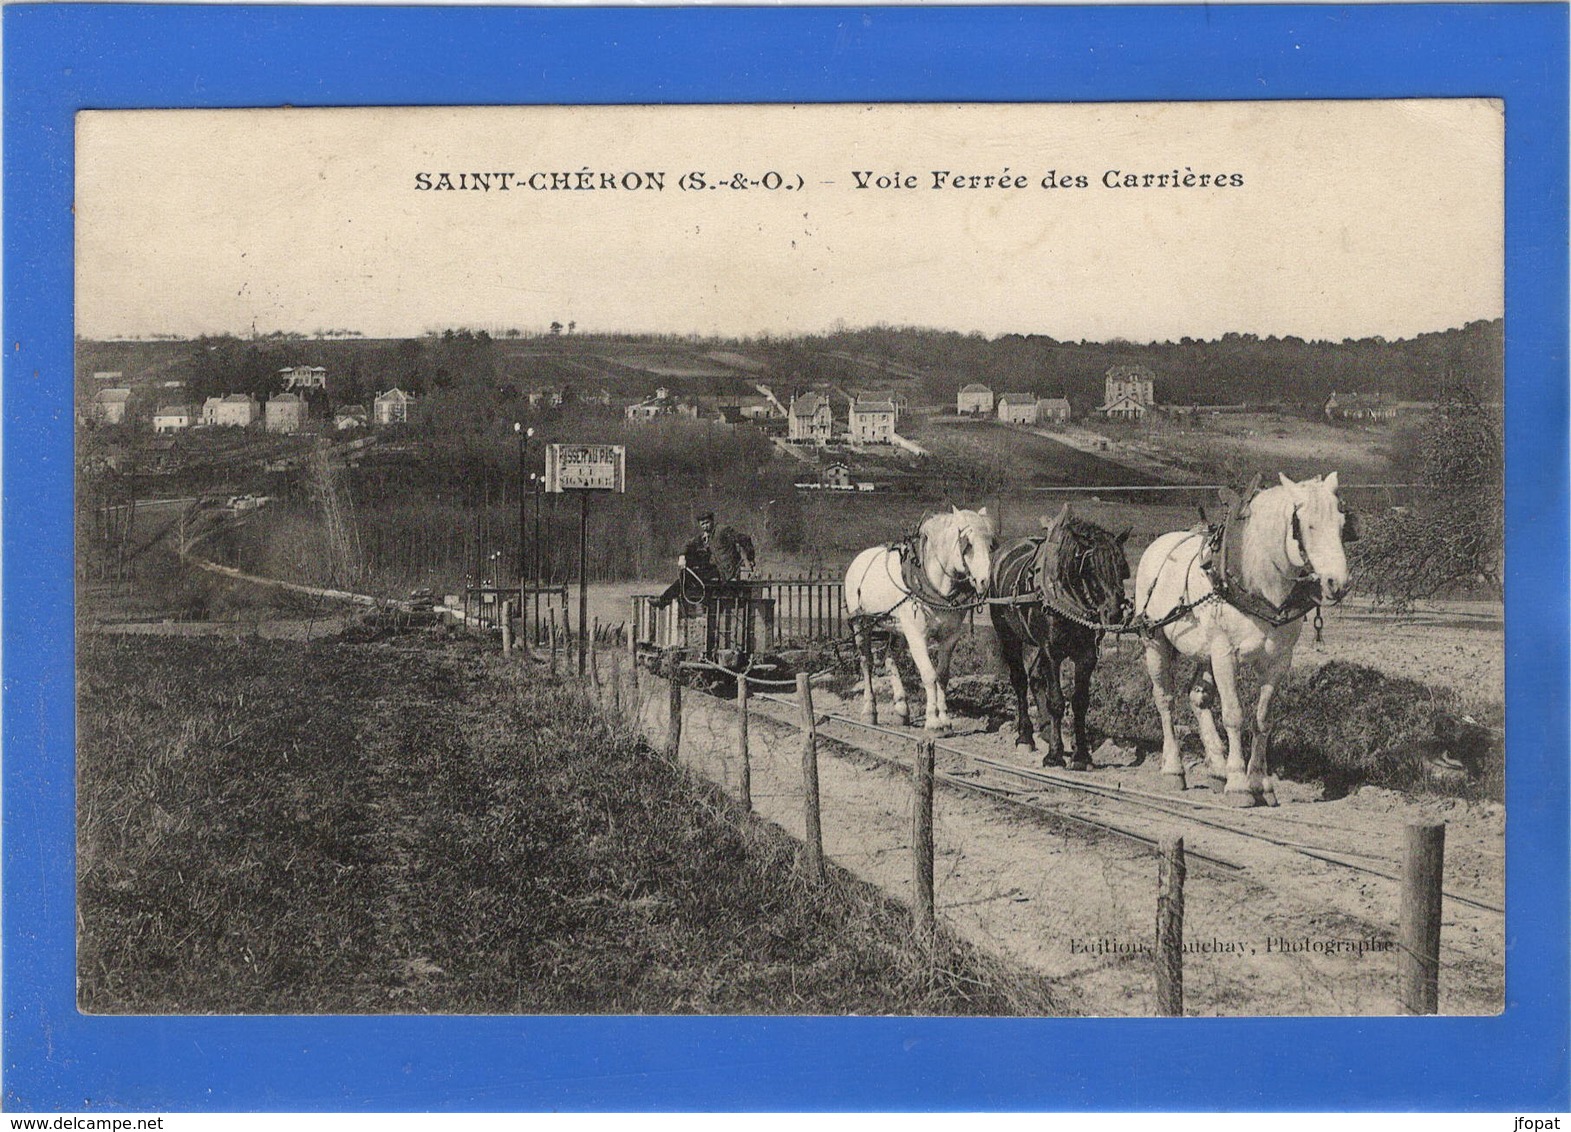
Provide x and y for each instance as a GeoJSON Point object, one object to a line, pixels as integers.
{"type": "Point", "coordinates": [1265, 532]}
{"type": "Point", "coordinates": [1086, 534]}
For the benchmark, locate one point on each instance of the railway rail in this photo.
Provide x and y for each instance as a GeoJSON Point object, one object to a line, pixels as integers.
{"type": "Point", "coordinates": [1221, 837]}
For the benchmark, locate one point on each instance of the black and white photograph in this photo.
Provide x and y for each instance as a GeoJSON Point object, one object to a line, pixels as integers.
{"type": "Point", "coordinates": [997, 560]}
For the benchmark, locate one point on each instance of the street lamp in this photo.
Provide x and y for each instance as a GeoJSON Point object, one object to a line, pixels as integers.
{"type": "Point", "coordinates": [524, 436]}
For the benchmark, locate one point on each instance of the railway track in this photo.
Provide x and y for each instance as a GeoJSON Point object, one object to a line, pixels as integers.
{"type": "Point", "coordinates": [1218, 835]}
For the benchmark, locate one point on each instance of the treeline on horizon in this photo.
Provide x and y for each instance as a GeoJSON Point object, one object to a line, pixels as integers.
{"type": "Point", "coordinates": [1236, 368]}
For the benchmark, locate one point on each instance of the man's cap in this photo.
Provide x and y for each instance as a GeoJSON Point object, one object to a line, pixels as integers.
{"type": "Point", "coordinates": [707, 517]}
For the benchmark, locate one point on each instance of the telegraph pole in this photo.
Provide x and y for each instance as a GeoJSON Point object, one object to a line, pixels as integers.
{"type": "Point", "coordinates": [538, 484]}
{"type": "Point", "coordinates": [583, 580]}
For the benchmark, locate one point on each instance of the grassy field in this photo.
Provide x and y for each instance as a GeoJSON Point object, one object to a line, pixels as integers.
{"type": "Point", "coordinates": [407, 825]}
{"type": "Point", "coordinates": [1020, 458]}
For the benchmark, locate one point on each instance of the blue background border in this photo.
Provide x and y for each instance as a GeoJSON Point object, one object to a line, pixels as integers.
{"type": "Point", "coordinates": [62, 59]}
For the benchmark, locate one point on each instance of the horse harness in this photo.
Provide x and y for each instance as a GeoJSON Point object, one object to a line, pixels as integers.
{"type": "Point", "coordinates": [913, 579]}
{"type": "Point", "coordinates": [1221, 547]}
{"type": "Point", "coordinates": [1030, 570]}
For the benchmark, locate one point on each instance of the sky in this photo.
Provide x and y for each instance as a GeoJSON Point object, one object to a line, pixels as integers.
{"type": "Point", "coordinates": [1332, 219]}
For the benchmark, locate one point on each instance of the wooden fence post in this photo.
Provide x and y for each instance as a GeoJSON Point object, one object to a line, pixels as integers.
{"type": "Point", "coordinates": [1170, 871]}
{"type": "Point", "coordinates": [1420, 936]}
{"type": "Point", "coordinates": [815, 833]}
{"type": "Point", "coordinates": [551, 627]}
{"type": "Point", "coordinates": [922, 838]}
{"type": "Point", "coordinates": [745, 785]}
{"type": "Point", "coordinates": [507, 628]}
{"type": "Point", "coordinates": [594, 670]}
{"type": "Point", "coordinates": [616, 685]}
{"type": "Point", "coordinates": [673, 743]}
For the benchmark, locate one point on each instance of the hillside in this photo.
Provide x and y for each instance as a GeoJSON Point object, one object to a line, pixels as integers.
{"type": "Point", "coordinates": [926, 365]}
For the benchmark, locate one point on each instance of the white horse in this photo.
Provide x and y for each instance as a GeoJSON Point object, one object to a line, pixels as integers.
{"type": "Point", "coordinates": [1291, 538]}
{"type": "Point", "coordinates": [926, 586]}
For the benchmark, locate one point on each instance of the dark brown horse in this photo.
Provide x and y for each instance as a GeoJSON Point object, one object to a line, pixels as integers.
{"type": "Point", "coordinates": [1054, 595]}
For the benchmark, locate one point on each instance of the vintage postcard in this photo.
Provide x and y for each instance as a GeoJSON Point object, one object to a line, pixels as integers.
{"type": "Point", "coordinates": [1146, 460]}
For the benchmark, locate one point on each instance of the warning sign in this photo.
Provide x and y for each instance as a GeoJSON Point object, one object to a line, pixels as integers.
{"type": "Point", "coordinates": [585, 467]}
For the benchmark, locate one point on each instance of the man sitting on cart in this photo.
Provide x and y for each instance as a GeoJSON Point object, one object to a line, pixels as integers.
{"type": "Point", "coordinates": [712, 561]}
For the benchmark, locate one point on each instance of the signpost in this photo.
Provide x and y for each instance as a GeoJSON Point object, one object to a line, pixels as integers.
{"type": "Point", "coordinates": [583, 469]}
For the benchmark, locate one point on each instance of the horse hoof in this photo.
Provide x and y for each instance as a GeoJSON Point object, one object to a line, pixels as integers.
{"type": "Point", "coordinates": [1052, 760]}
{"type": "Point", "coordinates": [1267, 794]}
{"type": "Point", "coordinates": [1240, 799]}
{"type": "Point", "coordinates": [1175, 781]}
{"type": "Point", "coordinates": [1079, 764]}
{"type": "Point", "coordinates": [1024, 749]}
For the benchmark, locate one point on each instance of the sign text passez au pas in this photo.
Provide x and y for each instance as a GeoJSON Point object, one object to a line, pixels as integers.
{"type": "Point", "coordinates": [585, 467]}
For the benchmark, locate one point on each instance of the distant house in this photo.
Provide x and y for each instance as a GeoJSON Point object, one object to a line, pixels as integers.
{"type": "Point", "coordinates": [109, 375]}
{"type": "Point", "coordinates": [350, 416]}
{"type": "Point", "coordinates": [974, 399]}
{"type": "Point", "coordinates": [1017, 408]}
{"type": "Point", "coordinates": [900, 401]}
{"type": "Point", "coordinates": [873, 422]}
{"type": "Point", "coordinates": [836, 475]}
{"type": "Point", "coordinates": [392, 407]}
{"type": "Point", "coordinates": [756, 407]}
{"type": "Point", "coordinates": [172, 418]}
{"type": "Point", "coordinates": [551, 398]}
{"type": "Point", "coordinates": [304, 377]}
{"type": "Point", "coordinates": [1129, 394]}
{"type": "Point", "coordinates": [238, 410]}
{"type": "Point", "coordinates": [594, 397]}
{"type": "Point", "coordinates": [285, 412]}
{"type": "Point", "coordinates": [1052, 409]}
{"type": "Point", "coordinates": [109, 406]}
{"type": "Point", "coordinates": [660, 405]}
{"type": "Point", "coordinates": [1358, 407]}
{"type": "Point", "coordinates": [811, 420]}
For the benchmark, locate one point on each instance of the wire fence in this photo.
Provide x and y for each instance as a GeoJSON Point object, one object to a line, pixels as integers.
{"type": "Point", "coordinates": [1018, 884]}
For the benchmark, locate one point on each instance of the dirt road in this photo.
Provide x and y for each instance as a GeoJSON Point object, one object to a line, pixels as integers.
{"type": "Point", "coordinates": [1285, 934]}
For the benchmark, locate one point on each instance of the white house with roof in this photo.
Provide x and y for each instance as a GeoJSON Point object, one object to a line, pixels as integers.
{"type": "Point", "coordinates": [110, 406]}
{"type": "Point", "coordinates": [1052, 409]}
{"type": "Point", "coordinates": [1358, 407]}
{"type": "Point", "coordinates": [873, 422]}
{"type": "Point", "coordinates": [284, 412]}
{"type": "Point", "coordinates": [1130, 392]}
{"type": "Point", "coordinates": [392, 407]}
{"type": "Point", "coordinates": [974, 400]}
{"type": "Point", "coordinates": [810, 420]}
{"type": "Point", "coordinates": [1017, 408]}
{"type": "Point", "coordinates": [899, 400]}
{"type": "Point", "coordinates": [304, 377]}
{"type": "Point", "coordinates": [651, 408]}
{"type": "Point", "coordinates": [172, 418]}
{"type": "Point", "coordinates": [238, 410]}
